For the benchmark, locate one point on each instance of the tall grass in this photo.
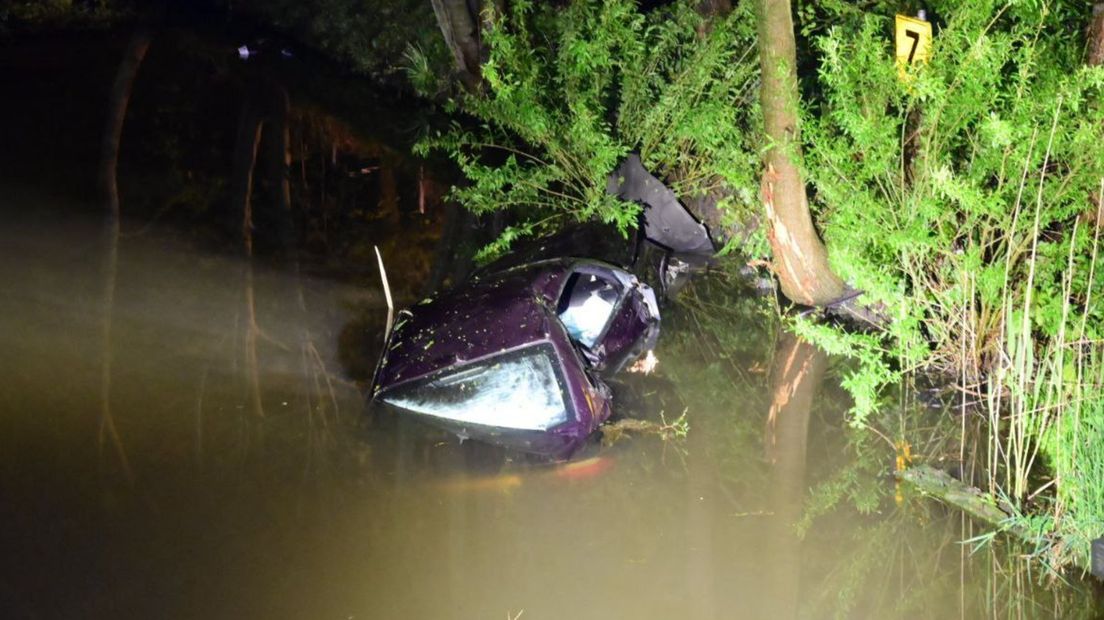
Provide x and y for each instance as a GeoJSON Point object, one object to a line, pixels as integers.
{"type": "Point", "coordinates": [1045, 405]}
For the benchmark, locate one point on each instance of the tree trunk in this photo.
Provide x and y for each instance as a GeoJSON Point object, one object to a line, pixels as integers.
{"type": "Point", "coordinates": [459, 22]}
{"type": "Point", "coordinates": [800, 259]}
{"type": "Point", "coordinates": [1094, 52]}
{"type": "Point", "coordinates": [714, 8]}
{"type": "Point", "coordinates": [796, 373]}
{"type": "Point", "coordinates": [444, 256]}
{"type": "Point", "coordinates": [117, 109]}
{"type": "Point", "coordinates": [389, 188]}
{"type": "Point", "coordinates": [1094, 57]}
{"type": "Point", "coordinates": [710, 9]}
{"type": "Point", "coordinates": [913, 154]}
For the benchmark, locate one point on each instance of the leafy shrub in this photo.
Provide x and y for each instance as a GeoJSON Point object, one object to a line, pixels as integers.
{"type": "Point", "coordinates": [569, 92]}
{"type": "Point", "coordinates": [966, 199]}
{"type": "Point", "coordinates": [1006, 129]}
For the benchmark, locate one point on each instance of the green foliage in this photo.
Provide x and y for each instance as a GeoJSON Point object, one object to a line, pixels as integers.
{"type": "Point", "coordinates": [872, 371]}
{"type": "Point", "coordinates": [502, 243]}
{"type": "Point", "coordinates": [963, 200]}
{"type": "Point", "coordinates": [569, 92]}
{"type": "Point", "coordinates": [1076, 454]}
{"type": "Point", "coordinates": [690, 106]}
{"type": "Point", "coordinates": [855, 481]}
{"type": "Point", "coordinates": [1005, 119]}
{"type": "Point", "coordinates": [423, 71]}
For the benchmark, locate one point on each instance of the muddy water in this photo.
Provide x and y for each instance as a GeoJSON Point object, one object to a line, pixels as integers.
{"type": "Point", "coordinates": [172, 450]}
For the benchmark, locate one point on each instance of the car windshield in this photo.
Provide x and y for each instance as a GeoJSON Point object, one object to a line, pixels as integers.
{"type": "Point", "coordinates": [519, 390]}
{"type": "Point", "coordinates": [587, 303]}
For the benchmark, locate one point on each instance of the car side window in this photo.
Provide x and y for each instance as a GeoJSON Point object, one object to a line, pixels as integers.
{"type": "Point", "coordinates": [587, 304]}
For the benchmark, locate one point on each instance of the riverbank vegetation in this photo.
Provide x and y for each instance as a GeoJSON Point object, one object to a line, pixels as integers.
{"type": "Point", "coordinates": [963, 200]}
{"type": "Point", "coordinates": [966, 200]}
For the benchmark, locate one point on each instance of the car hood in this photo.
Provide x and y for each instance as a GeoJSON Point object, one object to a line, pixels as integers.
{"type": "Point", "coordinates": [501, 312]}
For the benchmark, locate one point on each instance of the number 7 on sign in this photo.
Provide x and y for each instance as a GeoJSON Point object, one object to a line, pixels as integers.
{"type": "Point", "coordinates": [913, 38]}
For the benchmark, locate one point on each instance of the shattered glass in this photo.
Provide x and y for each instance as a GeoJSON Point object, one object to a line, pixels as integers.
{"type": "Point", "coordinates": [586, 307]}
{"type": "Point", "coordinates": [517, 390]}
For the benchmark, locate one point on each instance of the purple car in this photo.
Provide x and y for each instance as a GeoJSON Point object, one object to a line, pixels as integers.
{"type": "Point", "coordinates": [515, 355]}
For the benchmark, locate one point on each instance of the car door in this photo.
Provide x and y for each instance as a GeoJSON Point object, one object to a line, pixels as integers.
{"type": "Point", "coordinates": [610, 315]}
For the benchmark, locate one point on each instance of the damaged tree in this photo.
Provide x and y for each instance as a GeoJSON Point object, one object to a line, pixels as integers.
{"type": "Point", "coordinates": [797, 371]}
{"type": "Point", "coordinates": [800, 259]}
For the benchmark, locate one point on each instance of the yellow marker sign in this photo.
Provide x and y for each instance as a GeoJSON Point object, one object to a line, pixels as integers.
{"type": "Point", "coordinates": [913, 37]}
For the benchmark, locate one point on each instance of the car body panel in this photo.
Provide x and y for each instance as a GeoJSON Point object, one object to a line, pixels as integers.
{"type": "Point", "coordinates": [500, 314]}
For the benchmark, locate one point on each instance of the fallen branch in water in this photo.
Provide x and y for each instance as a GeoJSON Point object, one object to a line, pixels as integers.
{"type": "Point", "coordinates": [942, 486]}
{"type": "Point", "coordinates": [676, 429]}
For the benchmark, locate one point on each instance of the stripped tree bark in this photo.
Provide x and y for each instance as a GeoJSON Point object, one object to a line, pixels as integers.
{"type": "Point", "coordinates": [800, 259]}
{"type": "Point", "coordinates": [796, 374]}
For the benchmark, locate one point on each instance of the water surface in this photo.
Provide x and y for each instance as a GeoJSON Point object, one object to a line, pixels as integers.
{"type": "Point", "coordinates": [191, 482]}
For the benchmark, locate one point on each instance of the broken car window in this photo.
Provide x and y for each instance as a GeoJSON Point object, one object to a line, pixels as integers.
{"type": "Point", "coordinates": [518, 390]}
{"type": "Point", "coordinates": [586, 306]}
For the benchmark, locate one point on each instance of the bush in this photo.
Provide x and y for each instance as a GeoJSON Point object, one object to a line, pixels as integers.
{"type": "Point", "coordinates": [1008, 155]}
{"type": "Point", "coordinates": [570, 92]}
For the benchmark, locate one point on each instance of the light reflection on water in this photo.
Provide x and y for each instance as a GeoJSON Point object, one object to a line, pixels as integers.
{"type": "Point", "coordinates": [316, 510]}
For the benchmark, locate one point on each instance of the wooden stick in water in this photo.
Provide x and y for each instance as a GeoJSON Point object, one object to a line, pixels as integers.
{"type": "Point", "coordinates": [387, 294]}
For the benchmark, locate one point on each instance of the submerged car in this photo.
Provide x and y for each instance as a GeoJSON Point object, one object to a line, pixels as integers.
{"type": "Point", "coordinates": [515, 356]}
